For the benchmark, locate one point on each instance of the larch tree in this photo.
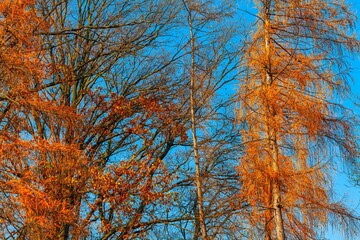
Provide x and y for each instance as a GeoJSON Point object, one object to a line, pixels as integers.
{"type": "Point", "coordinates": [95, 120]}
{"type": "Point", "coordinates": [294, 126]}
{"type": "Point", "coordinates": [28, 211]}
{"type": "Point", "coordinates": [23, 68]}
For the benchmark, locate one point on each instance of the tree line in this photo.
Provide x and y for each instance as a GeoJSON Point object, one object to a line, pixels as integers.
{"type": "Point", "coordinates": [175, 119]}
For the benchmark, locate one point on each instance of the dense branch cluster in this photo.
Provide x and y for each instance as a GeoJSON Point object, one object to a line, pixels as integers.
{"type": "Point", "coordinates": [166, 119]}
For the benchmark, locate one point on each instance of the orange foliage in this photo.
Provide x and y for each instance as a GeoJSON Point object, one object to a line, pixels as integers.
{"type": "Point", "coordinates": [290, 119]}
{"type": "Point", "coordinates": [55, 180]}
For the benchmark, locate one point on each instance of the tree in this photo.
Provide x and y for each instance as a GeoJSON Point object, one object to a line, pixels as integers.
{"type": "Point", "coordinates": [90, 144]}
{"type": "Point", "coordinates": [198, 178]}
{"type": "Point", "coordinates": [96, 119]}
{"type": "Point", "coordinates": [296, 72]}
{"type": "Point", "coordinates": [90, 120]}
{"type": "Point", "coordinates": [22, 70]}
{"type": "Point", "coordinates": [215, 66]}
{"type": "Point", "coordinates": [208, 46]}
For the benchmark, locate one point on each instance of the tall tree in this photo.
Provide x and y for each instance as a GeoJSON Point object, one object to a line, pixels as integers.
{"type": "Point", "coordinates": [95, 114]}
{"type": "Point", "coordinates": [91, 118]}
{"type": "Point", "coordinates": [296, 72]}
{"type": "Point", "coordinates": [209, 52]}
{"type": "Point", "coordinates": [24, 205]}
{"type": "Point", "coordinates": [198, 180]}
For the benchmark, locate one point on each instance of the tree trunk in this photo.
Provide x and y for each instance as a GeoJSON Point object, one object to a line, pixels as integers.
{"type": "Point", "coordinates": [271, 133]}
{"type": "Point", "coordinates": [198, 179]}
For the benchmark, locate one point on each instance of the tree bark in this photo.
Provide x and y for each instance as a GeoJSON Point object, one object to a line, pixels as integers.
{"type": "Point", "coordinates": [271, 133]}
{"type": "Point", "coordinates": [198, 179]}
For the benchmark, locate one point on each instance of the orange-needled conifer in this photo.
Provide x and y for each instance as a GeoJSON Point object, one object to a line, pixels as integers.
{"type": "Point", "coordinates": [24, 202]}
{"type": "Point", "coordinates": [294, 126]}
